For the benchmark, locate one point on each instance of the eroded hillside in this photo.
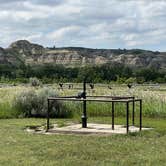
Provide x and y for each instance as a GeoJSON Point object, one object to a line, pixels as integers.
{"type": "Point", "coordinates": [23, 51]}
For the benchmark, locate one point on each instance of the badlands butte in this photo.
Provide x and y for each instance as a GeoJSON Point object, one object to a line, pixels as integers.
{"type": "Point", "coordinates": [23, 51]}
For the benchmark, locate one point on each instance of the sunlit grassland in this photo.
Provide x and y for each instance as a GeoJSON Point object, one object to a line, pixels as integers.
{"type": "Point", "coordinates": [19, 147]}
{"type": "Point", "coordinates": [154, 99]}
{"type": "Point", "coordinates": [7, 95]}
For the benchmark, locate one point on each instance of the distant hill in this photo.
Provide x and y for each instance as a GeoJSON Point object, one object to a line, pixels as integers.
{"type": "Point", "coordinates": [23, 51]}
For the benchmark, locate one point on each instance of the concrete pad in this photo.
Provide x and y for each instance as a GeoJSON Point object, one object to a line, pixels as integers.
{"type": "Point", "coordinates": [92, 128]}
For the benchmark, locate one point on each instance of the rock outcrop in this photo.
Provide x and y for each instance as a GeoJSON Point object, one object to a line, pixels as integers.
{"type": "Point", "coordinates": [23, 51]}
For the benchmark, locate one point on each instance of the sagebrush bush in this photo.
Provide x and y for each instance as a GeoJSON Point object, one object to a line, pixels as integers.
{"type": "Point", "coordinates": [34, 81]}
{"type": "Point", "coordinates": [34, 104]}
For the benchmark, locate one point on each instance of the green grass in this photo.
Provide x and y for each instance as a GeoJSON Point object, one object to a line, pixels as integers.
{"type": "Point", "coordinates": [144, 148]}
{"type": "Point", "coordinates": [154, 102]}
{"type": "Point", "coordinates": [21, 148]}
{"type": "Point", "coordinates": [7, 111]}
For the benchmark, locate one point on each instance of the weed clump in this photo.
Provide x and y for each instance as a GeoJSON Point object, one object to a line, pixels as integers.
{"type": "Point", "coordinates": [33, 103]}
{"type": "Point", "coordinates": [34, 82]}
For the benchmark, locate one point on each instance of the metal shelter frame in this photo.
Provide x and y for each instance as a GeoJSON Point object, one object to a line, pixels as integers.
{"type": "Point", "coordinates": [111, 99]}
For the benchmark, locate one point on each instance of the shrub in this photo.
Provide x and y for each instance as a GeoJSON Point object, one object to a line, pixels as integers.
{"type": "Point", "coordinates": [131, 80]}
{"type": "Point", "coordinates": [34, 104]}
{"type": "Point", "coordinates": [34, 81]}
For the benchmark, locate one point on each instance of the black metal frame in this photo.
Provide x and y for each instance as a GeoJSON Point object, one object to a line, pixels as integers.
{"type": "Point", "coordinates": [112, 99]}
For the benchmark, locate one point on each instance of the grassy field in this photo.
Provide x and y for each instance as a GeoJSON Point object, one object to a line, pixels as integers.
{"type": "Point", "coordinates": [144, 148]}
{"type": "Point", "coordinates": [154, 99]}
{"type": "Point", "coordinates": [21, 148]}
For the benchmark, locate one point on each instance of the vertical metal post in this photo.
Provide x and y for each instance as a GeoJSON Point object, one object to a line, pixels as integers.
{"type": "Point", "coordinates": [127, 116]}
{"type": "Point", "coordinates": [133, 113]}
{"type": "Point", "coordinates": [48, 116]}
{"type": "Point", "coordinates": [140, 127]}
{"type": "Point", "coordinates": [113, 108]}
{"type": "Point", "coordinates": [84, 116]}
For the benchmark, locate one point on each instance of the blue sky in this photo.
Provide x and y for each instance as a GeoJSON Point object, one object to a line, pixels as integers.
{"type": "Point", "coordinates": [85, 23]}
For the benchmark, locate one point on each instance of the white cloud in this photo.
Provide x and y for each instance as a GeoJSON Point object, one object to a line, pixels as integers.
{"type": "Point", "coordinates": [60, 34]}
{"type": "Point", "coordinates": [90, 23]}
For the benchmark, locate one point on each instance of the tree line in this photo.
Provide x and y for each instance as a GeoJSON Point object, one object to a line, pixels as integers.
{"type": "Point", "coordinates": [104, 73]}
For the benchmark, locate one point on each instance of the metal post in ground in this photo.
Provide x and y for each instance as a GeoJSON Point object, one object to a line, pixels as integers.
{"type": "Point", "coordinates": [140, 126]}
{"type": "Point", "coordinates": [84, 116]}
{"type": "Point", "coordinates": [133, 113]}
{"type": "Point", "coordinates": [48, 116]}
{"type": "Point", "coordinates": [127, 117]}
{"type": "Point", "coordinates": [113, 104]}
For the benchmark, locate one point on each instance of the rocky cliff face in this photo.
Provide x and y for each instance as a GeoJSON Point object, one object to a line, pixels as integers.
{"type": "Point", "coordinates": [26, 48]}
{"type": "Point", "coordinates": [29, 53]}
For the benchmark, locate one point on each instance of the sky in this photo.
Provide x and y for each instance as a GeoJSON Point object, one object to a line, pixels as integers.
{"type": "Point", "coordinates": [85, 23]}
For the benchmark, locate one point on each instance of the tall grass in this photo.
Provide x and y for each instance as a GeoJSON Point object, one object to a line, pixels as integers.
{"type": "Point", "coordinates": [7, 111]}
{"type": "Point", "coordinates": [154, 101]}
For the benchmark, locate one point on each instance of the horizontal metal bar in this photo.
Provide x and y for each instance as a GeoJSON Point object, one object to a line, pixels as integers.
{"type": "Point", "coordinates": [64, 97]}
{"type": "Point", "coordinates": [95, 100]}
{"type": "Point", "coordinates": [115, 97]}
